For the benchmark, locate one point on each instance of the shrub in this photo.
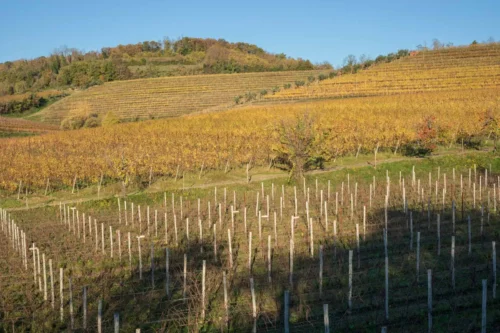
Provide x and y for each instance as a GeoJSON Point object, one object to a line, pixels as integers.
{"type": "Point", "coordinates": [332, 75]}
{"type": "Point", "coordinates": [72, 123]}
{"type": "Point", "coordinates": [287, 85]}
{"type": "Point", "coordinates": [322, 77]}
{"type": "Point", "coordinates": [311, 78]}
{"type": "Point", "coordinates": [275, 89]}
{"type": "Point", "coordinates": [299, 83]}
{"type": "Point", "coordinates": [110, 119]}
{"type": "Point", "coordinates": [91, 122]}
{"type": "Point", "coordinates": [237, 99]}
{"type": "Point", "coordinates": [250, 96]}
{"type": "Point", "coordinates": [263, 92]}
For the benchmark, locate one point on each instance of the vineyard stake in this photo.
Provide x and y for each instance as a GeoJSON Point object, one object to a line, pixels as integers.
{"type": "Point", "coordinates": [52, 296]}
{"type": "Point", "coordinates": [229, 244]}
{"type": "Point", "coordinates": [203, 289]}
{"type": "Point", "coordinates": [226, 307]}
{"type": "Point", "coordinates": [349, 297]}
{"type": "Point", "coordinates": [99, 316]}
{"type": "Point", "coordinates": [287, 311]}
{"type": "Point", "coordinates": [321, 271]}
{"type": "Point", "coordinates": [184, 279]}
{"type": "Point", "coordinates": [117, 322]}
{"type": "Point", "coordinates": [153, 265]}
{"type": "Point", "coordinates": [254, 305]}
{"type": "Point", "coordinates": [386, 276]}
{"type": "Point", "coordinates": [483, 307]}
{"type": "Point", "coordinates": [429, 300]}
{"type": "Point", "coordinates": [167, 272]}
{"type": "Point", "coordinates": [453, 262]}
{"type": "Point", "coordinates": [140, 255]}
{"type": "Point", "coordinates": [418, 255]}
{"type": "Point", "coordinates": [494, 266]}
{"type": "Point", "coordinates": [326, 320]}
{"type": "Point", "coordinates": [84, 306]}
{"type": "Point", "coordinates": [71, 305]}
{"type": "Point", "coordinates": [61, 295]}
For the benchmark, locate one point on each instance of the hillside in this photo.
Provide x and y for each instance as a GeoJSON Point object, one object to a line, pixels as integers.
{"type": "Point", "coordinates": [69, 67]}
{"type": "Point", "coordinates": [11, 127]}
{"type": "Point", "coordinates": [168, 96]}
{"type": "Point", "coordinates": [455, 68]}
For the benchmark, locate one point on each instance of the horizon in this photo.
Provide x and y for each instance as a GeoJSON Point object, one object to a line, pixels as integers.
{"type": "Point", "coordinates": [299, 34]}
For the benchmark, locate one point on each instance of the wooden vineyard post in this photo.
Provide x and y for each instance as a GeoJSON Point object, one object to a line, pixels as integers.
{"type": "Point", "coordinates": [167, 272]}
{"type": "Point", "coordinates": [429, 300]}
{"type": "Point", "coordinates": [72, 319]}
{"type": "Point", "coordinates": [349, 297]}
{"type": "Point", "coordinates": [84, 307]}
{"type": "Point", "coordinates": [311, 240]}
{"type": "Point", "coordinates": [469, 235]}
{"type": "Point", "coordinates": [111, 241]}
{"type": "Point", "coordinates": [117, 322]}
{"type": "Point", "coordinates": [52, 293]}
{"type": "Point", "coordinates": [119, 236]}
{"type": "Point", "coordinates": [326, 319]}
{"type": "Point", "coordinates": [438, 235]}
{"type": "Point", "coordinates": [287, 311]}
{"type": "Point", "coordinates": [230, 248]}
{"type": "Point", "coordinates": [269, 250]}
{"type": "Point", "coordinates": [61, 295]}
{"type": "Point", "coordinates": [45, 296]}
{"type": "Point", "coordinates": [129, 252]}
{"type": "Point", "coordinates": [99, 317]}
{"type": "Point", "coordinates": [358, 245]}
{"type": "Point", "coordinates": [386, 276]}
{"type": "Point", "coordinates": [102, 238]}
{"type": "Point", "coordinates": [203, 274]}
{"type": "Point", "coordinates": [494, 267]}
{"type": "Point", "coordinates": [226, 306]}
{"type": "Point", "coordinates": [411, 230]}
{"type": "Point", "coordinates": [321, 271]}
{"type": "Point", "coordinates": [291, 263]}
{"type": "Point", "coordinates": [250, 252]}
{"type": "Point", "coordinates": [184, 279]}
{"type": "Point", "coordinates": [453, 262]}
{"type": "Point", "coordinates": [453, 215]}
{"type": "Point", "coordinates": [215, 242]}
{"type": "Point", "coordinates": [153, 265]}
{"type": "Point", "coordinates": [483, 307]}
{"type": "Point", "coordinates": [140, 255]}
{"type": "Point", "coordinates": [254, 305]}
{"type": "Point", "coordinates": [418, 255]}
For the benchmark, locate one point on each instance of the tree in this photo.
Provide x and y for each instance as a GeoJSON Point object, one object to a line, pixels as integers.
{"type": "Point", "coordinates": [436, 44]}
{"type": "Point", "coordinates": [350, 61]}
{"type": "Point", "coordinates": [297, 148]}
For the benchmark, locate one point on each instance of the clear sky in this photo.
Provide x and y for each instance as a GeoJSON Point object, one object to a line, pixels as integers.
{"type": "Point", "coordinates": [312, 29]}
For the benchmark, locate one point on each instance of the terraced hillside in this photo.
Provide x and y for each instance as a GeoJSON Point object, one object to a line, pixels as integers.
{"type": "Point", "coordinates": [456, 68]}
{"type": "Point", "coordinates": [22, 127]}
{"type": "Point", "coordinates": [166, 97]}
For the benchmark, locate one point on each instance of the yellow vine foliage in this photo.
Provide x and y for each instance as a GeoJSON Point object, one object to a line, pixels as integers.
{"type": "Point", "coordinates": [237, 136]}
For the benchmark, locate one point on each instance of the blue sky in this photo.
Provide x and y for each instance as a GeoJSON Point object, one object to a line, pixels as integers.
{"type": "Point", "coordinates": [316, 30]}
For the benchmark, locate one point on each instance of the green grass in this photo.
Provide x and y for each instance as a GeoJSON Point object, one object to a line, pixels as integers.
{"type": "Point", "coordinates": [15, 134]}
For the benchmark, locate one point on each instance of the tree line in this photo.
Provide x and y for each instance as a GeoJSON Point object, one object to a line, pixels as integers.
{"type": "Point", "coordinates": [69, 67]}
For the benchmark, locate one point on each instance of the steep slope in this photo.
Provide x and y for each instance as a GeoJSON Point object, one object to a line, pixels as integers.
{"type": "Point", "coordinates": [168, 96]}
{"type": "Point", "coordinates": [456, 68]}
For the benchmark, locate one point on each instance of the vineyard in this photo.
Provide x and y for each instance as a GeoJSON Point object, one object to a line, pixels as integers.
{"type": "Point", "coordinates": [459, 68]}
{"type": "Point", "coordinates": [410, 247]}
{"type": "Point", "coordinates": [165, 148]}
{"type": "Point", "coordinates": [167, 96]}
{"type": "Point", "coordinates": [13, 126]}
